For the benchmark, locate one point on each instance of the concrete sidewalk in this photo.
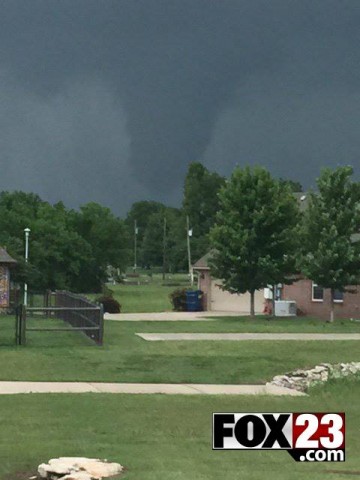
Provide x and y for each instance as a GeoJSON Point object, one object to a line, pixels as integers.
{"type": "Point", "coordinates": [11, 388]}
{"type": "Point", "coordinates": [155, 337]}
{"type": "Point", "coordinates": [169, 316]}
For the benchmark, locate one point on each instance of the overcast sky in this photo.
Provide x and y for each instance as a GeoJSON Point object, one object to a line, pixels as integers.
{"type": "Point", "coordinates": [109, 101]}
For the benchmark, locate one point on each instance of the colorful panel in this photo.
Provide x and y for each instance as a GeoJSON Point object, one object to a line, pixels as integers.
{"type": "Point", "coordinates": [4, 286]}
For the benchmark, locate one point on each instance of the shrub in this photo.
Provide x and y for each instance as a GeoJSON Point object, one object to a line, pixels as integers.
{"type": "Point", "coordinates": [178, 299]}
{"type": "Point", "coordinates": [119, 279]}
{"type": "Point", "coordinates": [110, 304]}
{"type": "Point", "coordinates": [106, 291]}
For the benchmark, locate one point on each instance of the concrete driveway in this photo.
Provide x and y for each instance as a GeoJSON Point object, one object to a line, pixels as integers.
{"type": "Point", "coordinates": [170, 316]}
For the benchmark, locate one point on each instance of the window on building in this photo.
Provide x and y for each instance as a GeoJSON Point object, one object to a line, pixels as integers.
{"type": "Point", "coordinates": [338, 296]}
{"type": "Point", "coordinates": [317, 293]}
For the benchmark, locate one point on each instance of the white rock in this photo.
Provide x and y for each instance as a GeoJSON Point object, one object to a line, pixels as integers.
{"type": "Point", "coordinates": [42, 470]}
{"type": "Point", "coordinates": [303, 379]}
{"type": "Point", "coordinates": [327, 365]}
{"type": "Point", "coordinates": [318, 369]}
{"type": "Point", "coordinates": [102, 469]}
{"type": "Point", "coordinates": [78, 468]}
{"type": "Point", "coordinates": [55, 466]}
{"type": "Point", "coordinates": [73, 460]}
{"type": "Point", "coordinates": [298, 373]}
{"type": "Point", "coordinates": [77, 476]}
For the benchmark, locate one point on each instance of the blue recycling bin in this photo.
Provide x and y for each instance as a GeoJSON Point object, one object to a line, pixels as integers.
{"type": "Point", "coordinates": [193, 300]}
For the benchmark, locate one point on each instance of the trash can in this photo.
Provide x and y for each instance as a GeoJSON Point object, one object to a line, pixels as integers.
{"type": "Point", "coordinates": [193, 300]}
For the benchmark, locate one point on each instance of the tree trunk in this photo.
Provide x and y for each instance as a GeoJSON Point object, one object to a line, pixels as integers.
{"type": "Point", "coordinates": [252, 303]}
{"type": "Point", "coordinates": [332, 306]}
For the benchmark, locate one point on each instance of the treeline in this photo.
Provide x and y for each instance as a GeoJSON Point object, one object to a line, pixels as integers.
{"type": "Point", "coordinates": [72, 249]}
{"type": "Point", "coordinates": [68, 249]}
{"type": "Point", "coordinates": [162, 230]}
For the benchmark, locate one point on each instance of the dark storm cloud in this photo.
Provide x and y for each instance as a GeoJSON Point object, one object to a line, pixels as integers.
{"type": "Point", "coordinates": [110, 100]}
{"type": "Point", "coordinates": [69, 146]}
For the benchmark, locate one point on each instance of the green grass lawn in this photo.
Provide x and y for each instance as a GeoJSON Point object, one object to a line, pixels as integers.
{"type": "Point", "coordinates": [127, 358]}
{"type": "Point", "coordinates": [159, 436]}
{"type": "Point", "coordinates": [163, 437]}
{"type": "Point", "coordinates": [152, 296]}
{"type": "Point", "coordinates": [259, 324]}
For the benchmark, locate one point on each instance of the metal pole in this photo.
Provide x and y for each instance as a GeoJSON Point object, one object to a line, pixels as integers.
{"type": "Point", "coordinates": [27, 232]}
{"type": "Point", "coordinates": [23, 325]}
{"type": "Point", "coordinates": [17, 315]}
{"type": "Point", "coordinates": [188, 250]}
{"type": "Point", "coordinates": [101, 325]}
{"type": "Point", "coordinates": [164, 249]}
{"type": "Point", "coordinates": [135, 245]}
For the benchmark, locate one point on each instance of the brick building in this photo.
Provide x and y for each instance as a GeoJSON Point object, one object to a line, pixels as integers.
{"type": "Point", "coordinates": [5, 263]}
{"type": "Point", "coordinates": [313, 300]}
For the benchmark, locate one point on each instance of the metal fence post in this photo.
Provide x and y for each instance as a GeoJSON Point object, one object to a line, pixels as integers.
{"type": "Point", "coordinates": [17, 325]}
{"type": "Point", "coordinates": [81, 315]}
{"type": "Point", "coordinates": [23, 326]}
{"type": "Point", "coordinates": [101, 325]}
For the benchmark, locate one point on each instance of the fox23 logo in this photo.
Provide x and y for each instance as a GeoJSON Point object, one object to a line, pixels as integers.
{"type": "Point", "coordinates": [308, 437]}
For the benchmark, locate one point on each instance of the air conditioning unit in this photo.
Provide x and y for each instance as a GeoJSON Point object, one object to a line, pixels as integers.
{"type": "Point", "coordinates": [285, 308]}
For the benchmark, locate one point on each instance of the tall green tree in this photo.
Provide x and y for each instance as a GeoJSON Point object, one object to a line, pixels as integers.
{"type": "Point", "coordinates": [68, 249]}
{"type": "Point", "coordinates": [152, 248]}
{"type": "Point", "coordinates": [165, 234]}
{"type": "Point", "coordinates": [176, 241]}
{"type": "Point", "coordinates": [330, 254]}
{"type": "Point", "coordinates": [108, 238]}
{"type": "Point", "coordinates": [57, 252]}
{"type": "Point", "coordinates": [254, 237]}
{"type": "Point", "coordinates": [294, 185]}
{"type": "Point", "coordinates": [200, 204]}
{"type": "Point", "coordinates": [141, 212]}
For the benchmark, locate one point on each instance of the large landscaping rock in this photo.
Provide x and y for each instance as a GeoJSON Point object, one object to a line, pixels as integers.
{"type": "Point", "coordinates": [78, 468]}
{"type": "Point", "coordinates": [301, 380]}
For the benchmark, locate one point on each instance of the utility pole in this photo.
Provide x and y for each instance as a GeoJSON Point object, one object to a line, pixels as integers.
{"type": "Point", "coordinates": [135, 244]}
{"type": "Point", "coordinates": [164, 249]}
{"type": "Point", "coordinates": [188, 235]}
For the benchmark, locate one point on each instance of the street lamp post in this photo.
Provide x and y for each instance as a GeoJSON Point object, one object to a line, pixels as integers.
{"type": "Point", "coordinates": [136, 231]}
{"type": "Point", "coordinates": [27, 233]}
{"type": "Point", "coordinates": [188, 235]}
